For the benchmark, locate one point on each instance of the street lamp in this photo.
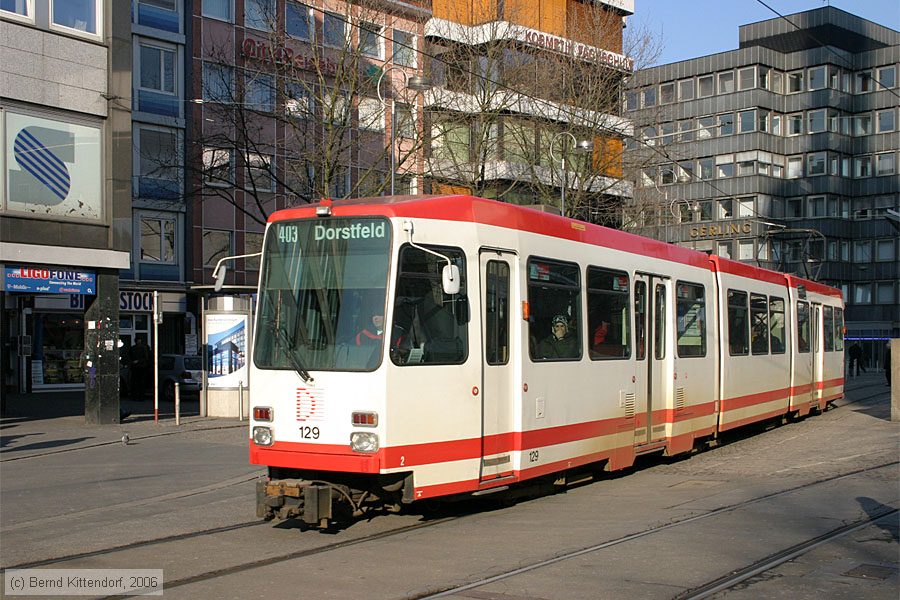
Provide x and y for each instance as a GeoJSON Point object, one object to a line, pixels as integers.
{"type": "Point", "coordinates": [417, 83]}
{"type": "Point", "coordinates": [578, 147]}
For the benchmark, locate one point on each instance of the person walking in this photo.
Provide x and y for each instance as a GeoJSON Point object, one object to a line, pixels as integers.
{"type": "Point", "coordinates": [855, 354]}
{"type": "Point", "coordinates": [140, 368]}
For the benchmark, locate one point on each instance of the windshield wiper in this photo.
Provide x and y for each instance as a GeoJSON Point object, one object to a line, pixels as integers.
{"type": "Point", "coordinates": [290, 350]}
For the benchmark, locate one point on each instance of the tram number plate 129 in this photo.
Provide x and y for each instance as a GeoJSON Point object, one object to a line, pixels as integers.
{"type": "Point", "coordinates": [309, 433]}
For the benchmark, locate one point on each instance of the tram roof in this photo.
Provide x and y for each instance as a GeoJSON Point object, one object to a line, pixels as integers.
{"type": "Point", "coordinates": [471, 209]}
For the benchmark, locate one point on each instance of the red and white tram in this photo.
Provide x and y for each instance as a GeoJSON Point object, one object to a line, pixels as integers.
{"type": "Point", "coordinates": [421, 347]}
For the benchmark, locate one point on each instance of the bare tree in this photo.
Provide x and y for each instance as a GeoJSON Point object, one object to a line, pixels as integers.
{"type": "Point", "coordinates": [513, 99]}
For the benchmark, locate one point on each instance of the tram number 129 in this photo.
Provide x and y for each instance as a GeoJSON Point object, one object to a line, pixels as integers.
{"type": "Point", "coordinates": [533, 456]}
{"type": "Point", "coordinates": [309, 433]}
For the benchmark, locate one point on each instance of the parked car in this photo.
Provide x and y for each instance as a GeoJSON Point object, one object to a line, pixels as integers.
{"type": "Point", "coordinates": [186, 370]}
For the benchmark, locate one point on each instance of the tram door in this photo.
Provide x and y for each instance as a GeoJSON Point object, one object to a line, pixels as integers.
{"type": "Point", "coordinates": [651, 307]}
{"type": "Point", "coordinates": [816, 352]}
{"type": "Point", "coordinates": [498, 337]}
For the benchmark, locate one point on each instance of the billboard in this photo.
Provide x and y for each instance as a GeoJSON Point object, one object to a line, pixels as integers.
{"type": "Point", "coordinates": [226, 343]}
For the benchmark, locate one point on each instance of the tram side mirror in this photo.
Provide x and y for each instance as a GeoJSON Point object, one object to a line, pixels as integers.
{"type": "Point", "coordinates": [220, 277]}
{"type": "Point", "coordinates": [450, 279]}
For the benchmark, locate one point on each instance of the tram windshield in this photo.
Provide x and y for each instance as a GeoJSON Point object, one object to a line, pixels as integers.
{"type": "Point", "coordinates": [322, 295]}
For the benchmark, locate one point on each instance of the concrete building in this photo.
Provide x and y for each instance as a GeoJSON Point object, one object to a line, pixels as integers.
{"type": "Point", "coordinates": [65, 198]}
{"type": "Point", "coordinates": [782, 153]}
{"type": "Point", "coordinates": [527, 103]}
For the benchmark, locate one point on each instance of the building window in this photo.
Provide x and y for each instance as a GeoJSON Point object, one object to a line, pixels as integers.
{"type": "Point", "coordinates": [794, 167]}
{"type": "Point", "coordinates": [745, 207]}
{"type": "Point", "coordinates": [795, 82]}
{"type": "Point", "coordinates": [885, 121]}
{"type": "Point", "coordinates": [260, 94]}
{"type": "Point", "coordinates": [863, 82]}
{"type": "Point", "coordinates": [260, 14]}
{"type": "Point", "coordinates": [862, 251]}
{"type": "Point", "coordinates": [406, 124]}
{"type": "Point", "coordinates": [884, 250]}
{"type": "Point", "coordinates": [747, 78]}
{"type": "Point", "coordinates": [724, 166]}
{"type": "Point", "coordinates": [885, 293]}
{"type": "Point", "coordinates": [816, 78]}
{"type": "Point", "coordinates": [80, 15]}
{"type": "Point", "coordinates": [885, 164]}
{"type": "Point", "coordinates": [862, 166]}
{"type": "Point", "coordinates": [259, 173]}
{"type": "Point", "coordinates": [795, 124]}
{"type": "Point", "coordinates": [404, 48]}
{"type": "Point", "coordinates": [745, 168]}
{"type": "Point", "coordinates": [777, 82]}
{"type": "Point", "coordinates": [706, 85]}
{"type": "Point", "coordinates": [216, 244]}
{"type": "Point", "coordinates": [887, 77]}
{"type": "Point", "coordinates": [252, 244]}
{"type": "Point", "coordinates": [862, 293]}
{"type": "Point", "coordinates": [726, 124]}
{"type": "Point", "coordinates": [707, 128]}
{"type": "Point", "coordinates": [686, 89]}
{"type": "Point", "coordinates": [746, 121]}
{"type": "Point", "coordinates": [158, 240]}
{"type": "Point", "coordinates": [667, 93]}
{"type": "Point", "coordinates": [667, 174]}
{"type": "Point", "coordinates": [157, 68]}
{"type": "Point", "coordinates": [816, 206]}
{"type": "Point", "coordinates": [726, 82]}
{"type": "Point", "coordinates": [218, 83]}
{"type": "Point", "coordinates": [298, 20]}
{"type": "Point", "coordinates": [726, 208]}
{"type": "Point", "coordinates": [687, 131]}
{"type": "Point", "coordinates": [21, 8]}
{"type": "Point", "coordinates": [218, 167]}
{"type": "Point", "coordinates": [158, 149]}
{"type": "Point", "coordinates": [723, 249]}
{"type": "Point", "coordinates": [334, 30]}
{"type": "Point", "coordinates": [370, 39]}
{"type": "Point", "coordinates": [298, 101]}
{"type": "Point", "coordinates": [705, 210]}
{"type": "Point", "coordinates": [631, 101]}
{"type": "Point", "coordinates": [776, 124]}
{"type": "Point", "coordinates": [793, 208]}
{"type": "Point", "coordinates": [815, 163]}
{"type": "Point", "coordinates": [815, 121]}
{"type": "Point", "coordinates": [218, 9]}
{"type": "Point", "coordinates": [371, 114]}
{"type": "Point", "coordinates": [705, 168]}
{"type": "Point", "coordinates": [648, 97]}
{"type": "Point", "coordinates": [862, 125]}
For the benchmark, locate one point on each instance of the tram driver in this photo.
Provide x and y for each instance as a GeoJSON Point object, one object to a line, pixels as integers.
{"type": "Point", "coordinates": [560, 343]}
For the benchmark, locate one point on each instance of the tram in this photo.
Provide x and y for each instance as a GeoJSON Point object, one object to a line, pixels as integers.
{"type": "Point", "coordinates": [421, 347]}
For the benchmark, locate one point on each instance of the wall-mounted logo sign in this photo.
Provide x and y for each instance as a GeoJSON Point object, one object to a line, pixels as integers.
{"type": "Point", "coordinates": [55, 168]}
{"type": "Point", "coordinates": [42, 280]}
{"type": "Point", "coordinates": [723, 230]}
{"type": "Point", "coordinates": [282, 55]}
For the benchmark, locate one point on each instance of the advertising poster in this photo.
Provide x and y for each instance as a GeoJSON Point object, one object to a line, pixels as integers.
{"type": "Point", "coordinates": [226, 342]}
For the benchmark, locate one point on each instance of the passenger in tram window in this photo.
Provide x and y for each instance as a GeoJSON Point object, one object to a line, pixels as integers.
{"type": "Point", "coordinates": [777, 344]}
{"type": "Point", "coordinates": [372, 335]}
{"type": "Point", "coordinates": [600, 333]}
{"type": "Point", "coordinates": [560, 343]}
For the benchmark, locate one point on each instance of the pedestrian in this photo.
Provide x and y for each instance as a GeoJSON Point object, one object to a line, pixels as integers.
{"type": "Point", "coordinates": [887, 363]}
{"type": "Point", "coordinates": [855, 354]}
{"type": "Point", "coordinates": [140, 368]}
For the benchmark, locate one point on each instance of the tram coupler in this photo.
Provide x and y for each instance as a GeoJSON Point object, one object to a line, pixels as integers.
{"type": "Point", "coordinates": [290, 498]}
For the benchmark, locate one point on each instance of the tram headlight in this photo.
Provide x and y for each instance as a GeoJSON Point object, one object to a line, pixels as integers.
{"type": "Point", "coordinates": [364, 441]}
{"type": "Point", "coordinates": [262, 436]}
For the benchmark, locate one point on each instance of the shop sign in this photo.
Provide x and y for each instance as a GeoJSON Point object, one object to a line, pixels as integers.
{"type": "Point", "coordinates": [286, 56]}
{"type": "Point", "coordinates": [136, 301]}
{"type": "Point", "coordinates": [704, 231]}
{"type": "Point", "coordinates": [577, 49]}
{"type": "Point", "coordinates": [42, 280]}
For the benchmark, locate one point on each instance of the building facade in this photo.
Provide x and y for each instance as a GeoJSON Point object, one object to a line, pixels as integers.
{"type": "Point", "coordinates": [65, 201]}
{"type": "Point", "coordinates": [782, 153]}
{"type": "Point", "coordinates": [521, 87]}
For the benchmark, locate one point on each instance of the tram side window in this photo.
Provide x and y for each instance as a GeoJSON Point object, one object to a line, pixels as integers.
{"type": "Point", "coordinates": [776, 324]}
{"type": "Point", "coordinates": [839, 329]}
{"type": "Point", "coordinates": [737, 323]}
{"type": "Point", "coordinates": [554, 324]}
{"type": "Point", "coordinates": [759, 324]}
{"type": "Point", "coordinates": [609, 325]}
{"type": "Point", "coordinates": [691, 306]}
{"type": "Point", "coordinates": [429, 327]}
{"type": "Point", "coordinates": [828, 321]}
{"type": "Point", "coordinates": [803, 327]}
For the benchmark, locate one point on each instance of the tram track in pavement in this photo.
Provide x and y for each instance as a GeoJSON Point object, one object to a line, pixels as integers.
{"type": "Point", "coordinates": [772, 561]}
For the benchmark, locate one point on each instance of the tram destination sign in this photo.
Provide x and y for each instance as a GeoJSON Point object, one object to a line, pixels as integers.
{"type": "Point", "coordinates": [43, 280]}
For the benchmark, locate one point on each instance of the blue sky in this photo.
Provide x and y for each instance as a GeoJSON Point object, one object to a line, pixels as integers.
{"type": "Point", "coordinates": [692, 28]}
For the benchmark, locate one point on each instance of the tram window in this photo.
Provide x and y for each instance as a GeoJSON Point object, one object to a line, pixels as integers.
{"type": "Point", "coordinates": [803, 327]}
{"type": "Point", "coordinates": [496, 313]}
{"type": "Point", "coordinates": [776, 324]}
{"type": "Point", "coordinates": [554, 298]}
{"type": "Point", "coordinates": [828, 327]}
{"type": "Point", "coordinates": [640, 319]}
{"type": "Point", "coordinates": [429, 327]}
{"type": "Point", "coordinates": [737, 323]}
{"type": "Point", "coordinates": [691, 326]}
{"type": "Point", "coordinates": [759, 324]}
{"type": "Point", "coordinates": [659, 322]}
{"type": "Point", "coordinates": [839, 329]}
{"type": "Point", "coordinates": [608, 319]}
